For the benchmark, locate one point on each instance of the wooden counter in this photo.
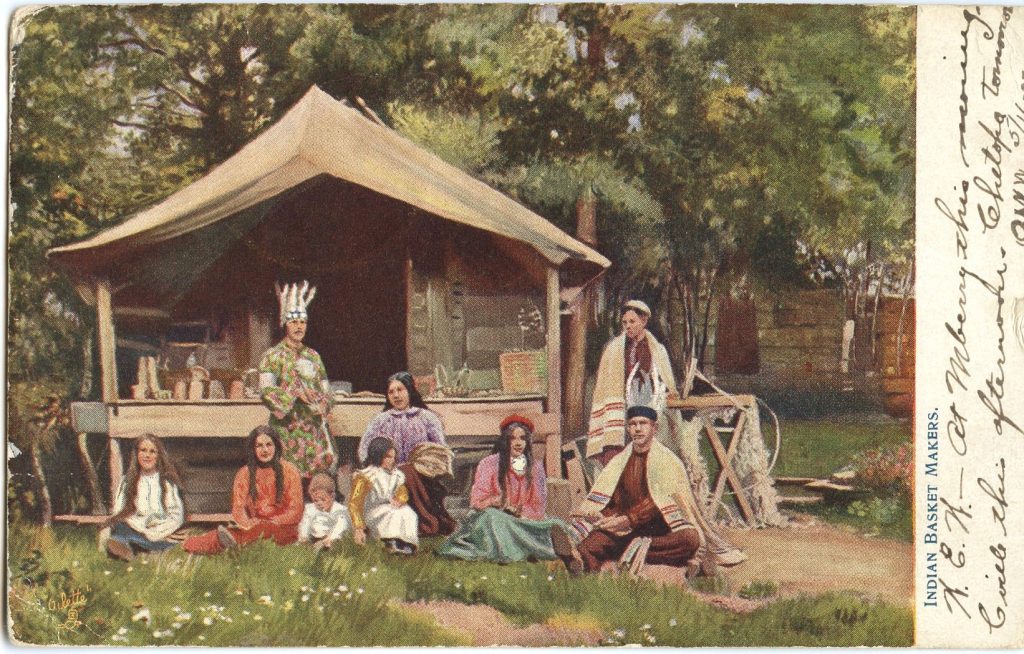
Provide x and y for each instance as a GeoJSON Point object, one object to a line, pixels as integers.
{"type": "Point", "coordinates": [236, 418]}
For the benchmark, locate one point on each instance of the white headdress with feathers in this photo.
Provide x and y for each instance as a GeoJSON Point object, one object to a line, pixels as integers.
{"type": "Point", "coordinates": [659, 391]}
{"type": "Point", "coordinates": [293, 300]}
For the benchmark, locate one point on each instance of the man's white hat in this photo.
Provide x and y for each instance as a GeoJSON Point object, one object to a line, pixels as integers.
{"type": "Point", "coordinates": [294, 300]}
{"type": "Point", "coordinates": [639, 306]}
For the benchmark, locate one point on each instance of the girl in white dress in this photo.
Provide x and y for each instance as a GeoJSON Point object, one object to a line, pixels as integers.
{"type": "Point", "coordinates": [380, 501]}
{"type": "Point", "coordinates": [148, 506]}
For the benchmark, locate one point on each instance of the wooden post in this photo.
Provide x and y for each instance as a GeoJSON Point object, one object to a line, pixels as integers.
{"type": "Point", "coordinates": [554, 342]}
{"type": "Point", "coordinates": [106, 340]}
{"type": "Point", "coordinates": [92, 480]}
{"type": "Point", "coordinates": [116, 470]}
{"type": "Point", "coordinates": [574, 413]}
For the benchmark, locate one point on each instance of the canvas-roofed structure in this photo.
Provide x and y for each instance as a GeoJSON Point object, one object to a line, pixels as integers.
{"type": "Point", "coordinates": [419, 266]}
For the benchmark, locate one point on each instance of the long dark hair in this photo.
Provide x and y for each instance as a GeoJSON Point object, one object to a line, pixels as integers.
{"type": "Point", "coordinates": [252, 462]}
{"type": "Point", "coordinates": [165, 471]}
{"type": "Point", "coordinates": [415, 399]}
{"type": "Point", "coordinates": [503, 446]}
{"type": "Point", "coordinates": [377, 450]}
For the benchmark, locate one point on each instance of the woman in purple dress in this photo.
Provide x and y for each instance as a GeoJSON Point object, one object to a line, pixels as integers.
{"type": "Point", "coordinates": [407, 422]}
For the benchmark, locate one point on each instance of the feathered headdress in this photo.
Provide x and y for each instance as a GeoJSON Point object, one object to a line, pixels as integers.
{"type": "Point", "coordinates": [293, 301]}
{"type": "Point", "coordinates": [659, 391]}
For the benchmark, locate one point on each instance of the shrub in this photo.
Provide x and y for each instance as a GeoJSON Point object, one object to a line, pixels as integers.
{"type": "Point", "coordinates": [887, 471]}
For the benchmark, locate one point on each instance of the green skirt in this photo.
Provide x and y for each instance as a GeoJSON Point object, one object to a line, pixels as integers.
{"type": "Point", "coordinates": [493, 535]}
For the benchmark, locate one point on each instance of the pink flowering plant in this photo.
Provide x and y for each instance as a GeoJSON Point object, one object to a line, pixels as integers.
{"type": "Point", "coordinates": [885, 470]}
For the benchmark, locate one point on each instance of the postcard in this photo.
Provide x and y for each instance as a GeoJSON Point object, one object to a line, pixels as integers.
{"type": "Point", "coordinates": [574, 325]}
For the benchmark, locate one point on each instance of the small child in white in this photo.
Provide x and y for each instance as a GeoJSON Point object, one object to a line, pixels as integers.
{"type": "Point", "coordinates": [324, 520]}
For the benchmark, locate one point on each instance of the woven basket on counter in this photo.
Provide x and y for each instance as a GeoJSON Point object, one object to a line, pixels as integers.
{"type": "Point", "coordinates": [524, 372]}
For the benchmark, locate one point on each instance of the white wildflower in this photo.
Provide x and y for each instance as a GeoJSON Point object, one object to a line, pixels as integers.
{"type": "Point", "coordinates": [265, 600]}
{"type": "Point", "coordinates": [483, 578]}
{"type": "Point", "coordinates": [291, 573]}
{"type": "Point", "coordinates": [201, 637]}
{"type": "Point", "coordinates": [106, 573]}
{"type": "Point", "coordinates": [129, 569]}
{"type": "Point", "coordinates": [364, 575]}
{"type": "Point", "coordinates": [245, 612]}
{"type": "Point", "coordinates": [336, 594]}
{"type": "Point", "coordinates": [122, 631]}
{"type": "Point", "coordinates": [373, 569]}
{"type": "Point", "coordinates": [208, 621]}
{"type": "Point", "coordinates": [176, 625]}
{"type": "Point", "coordinates": [206, 594]}
{"type": "Point", "coordinates": [672, 622]}
{"type": "Point", "coordinates": [554, 134]}
{"type": "Point", "coordinates": [176, 609]}
{"type": "Point", "coordinates": [646, 627]}
{"type": "Point", "coordinates": [550, 578]}
{"type": "Point", "coordinates": [257, 617]}
{"type": "Point", "coordinates": [305, 598]}
{"type": "Point", "coordinates": [143, 615]}
{"type": "Point", "coordinates": [359, 590]}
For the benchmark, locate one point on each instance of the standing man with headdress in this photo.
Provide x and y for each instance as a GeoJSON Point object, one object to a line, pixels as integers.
{"type": "Point", "coordinates": [295, 388]}
{"type": "Point", "coordinates": [636, 358]}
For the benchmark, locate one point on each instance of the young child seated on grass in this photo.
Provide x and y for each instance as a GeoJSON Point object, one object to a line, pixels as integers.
{"type": "Point", "coordinates": [324, 520]}
{"type": "Point", "coordinates": [380, 501]}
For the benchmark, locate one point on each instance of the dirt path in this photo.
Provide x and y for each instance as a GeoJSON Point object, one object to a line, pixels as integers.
{"type": "Point", "coordinates": [811, 558]}
{"type": "Point", "coordinates": [487, 626]}
{"type": "Point", "coordinates": [818, 558]}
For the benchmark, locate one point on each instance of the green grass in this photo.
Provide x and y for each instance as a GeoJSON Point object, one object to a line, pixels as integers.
{"type": "Point", "coordinates": [817, 448]}
{"type": "Point", "coordinates": [353, 596]}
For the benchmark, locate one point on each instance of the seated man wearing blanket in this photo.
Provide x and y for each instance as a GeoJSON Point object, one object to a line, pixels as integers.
{"type": "Point", "coordinates": [641, 509]}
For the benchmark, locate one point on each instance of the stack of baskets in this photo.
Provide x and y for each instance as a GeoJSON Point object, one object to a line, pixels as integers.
{"type": "Point", "coordinates": [524, 372]}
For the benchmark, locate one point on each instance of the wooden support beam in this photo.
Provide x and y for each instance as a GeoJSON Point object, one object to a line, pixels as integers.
{"type": "Point", "coordinates": [116, 469]}
{"type": "Point", "coordinates": [729, 473]}
{"type": "Point", "coordinates": [695, 402]}
{"type": "Point", "coordinates": [727, 463]}
{"type": "Point", "coordinates": [554, 342]}
{"type": "Point", "coordinates": [107, 341]}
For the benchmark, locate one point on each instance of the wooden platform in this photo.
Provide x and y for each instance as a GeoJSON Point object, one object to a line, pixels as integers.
{"type": "Point", "coordinates": [348, 418]}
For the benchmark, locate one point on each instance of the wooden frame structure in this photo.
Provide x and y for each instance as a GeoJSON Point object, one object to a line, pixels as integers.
{"type": "Point", "coordinates": [316, 140]}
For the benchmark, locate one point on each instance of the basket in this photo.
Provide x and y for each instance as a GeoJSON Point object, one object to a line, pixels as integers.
{"type": "Point", "coordinates": [524, 372]}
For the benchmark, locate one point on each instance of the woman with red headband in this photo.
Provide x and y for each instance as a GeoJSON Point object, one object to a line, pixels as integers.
{"type": "Point", "coordinates": [509, 498]}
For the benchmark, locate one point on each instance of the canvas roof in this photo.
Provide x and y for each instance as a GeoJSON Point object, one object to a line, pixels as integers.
{"type": "Point", "coordinates": [323, 136]}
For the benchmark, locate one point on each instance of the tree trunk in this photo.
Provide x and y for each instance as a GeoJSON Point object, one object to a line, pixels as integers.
{"type": "Point", "coordinates": [92, 480]}
{"type": "Point", "coordinates": [45, 504]}
{"type": "Point", "coordinates": [907, 286]}
{"type": "Point", "coordinates": [86, 388]}
{"type": "Point", "coordinates": [574, 380]}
